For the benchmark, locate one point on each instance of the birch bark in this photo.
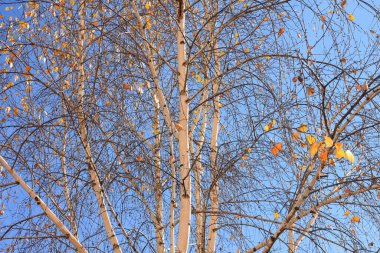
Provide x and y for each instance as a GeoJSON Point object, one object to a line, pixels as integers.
{"type": "Point", "coordinates": [183, 136]}
{"type": "Point", "coordinates": [96, 186]}
{"type": "Point", "coordinates": [74, 240]}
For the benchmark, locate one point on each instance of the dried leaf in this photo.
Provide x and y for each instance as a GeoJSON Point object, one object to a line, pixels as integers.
{"type": "Point", "coordinates": [179, 127]}
{"type": "Point", "coordinates": [351, 17]}
{"type": "Point", "coordinates": [171, 159]}
{"type": "Point", "coordinates": [314, 149]}
{"type": "Point", "coordinates": [328, 142]}
{"type": "Point", "coordinates": [310, 139]}
{"type": "Point", "coordinates": [127, 86]}
{"type": "Point", "coordinates": [302, 128]}
{"type": "Point", "coordinates": [295, 136]}
{"type": "Point", "coordinates": [281, 31]}
{"type": "Point", "coordinates": [276, 149]}
{"type": "Point", "coordinates": [355, 218]}
{"type": "Point", "coordinates": [310, 91]}
{"type": "Point", "coordinates": [323, 156]}
{"type": "Point", "coordinates": [350, 156]}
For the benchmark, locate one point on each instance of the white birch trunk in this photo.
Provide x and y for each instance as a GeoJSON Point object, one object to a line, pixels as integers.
{"type": "Point", "coordinates": [173, 204]}
{"type": "Point", "coordinates": [214, 190]}
{"type": "Point", "coordinates": [159, 228]}
{"type": "Point", "coordinates": [96, 186]}
{"type": "Point", "coordinates": [183, 137]}
{"type": "Point", "coordinates": [74, 240]}
{"type": "Point", "coordinates": [65, 187]}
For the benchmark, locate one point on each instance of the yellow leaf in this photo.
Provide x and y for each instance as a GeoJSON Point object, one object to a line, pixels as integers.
{"type": "Point", "coordinates": [147, 5]}
{"type": "Point", "coordinates": [339, 153]}
{"type": "Point", "coordinates": [355, 218]}
{"type": "Point", "coordinates": [270, 125]}
{"type": "Point", "coordinates": [310, 139]}
{"type": "Point", "coordinates": [347, 213]}
{"type": "Point", "coordinates": [351, 17]}
{"type": "Point", "coordinates": [302, 128]}
{"type": "Point", "coordinates": [350, 156]}
{"type": "Point", "coordinates": [276, 215]}
{"type": "Point", "coordinates": [328, 142]}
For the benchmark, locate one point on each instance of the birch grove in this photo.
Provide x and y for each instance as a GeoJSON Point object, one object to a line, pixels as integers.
{"type": "Point", "coordinates": [189, 126]}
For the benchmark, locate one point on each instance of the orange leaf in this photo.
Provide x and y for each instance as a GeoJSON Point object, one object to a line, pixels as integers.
{"type": "Point", "coordinates": [276, 149]}
{"type": "Point", "coordinates": [324, 156]}
{"type": "Point", "coordinates": [127, 86]}
{"type": "Point", "coordinates": [355, 218]}
{"type": "Point", "coordinates": [171, 159]}
{"type": "Point", "coordinates": [179, 127]}
{"type": "Point", "coordinates": [139, 158]}
{"type": "Point", "coordinates": [302, 128]}
{"type": "Point", "coordinates": [281, 31]}
{"type": "Point", "coordinates": [296, 135]}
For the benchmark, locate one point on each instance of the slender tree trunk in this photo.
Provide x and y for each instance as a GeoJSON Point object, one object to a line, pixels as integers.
{"type": "Point", "coordinates": [62, 157]}
{"type": "Point", "coordinates": [96, 186]}
{"type": "Point", "coordinates": [214, 190]}
{"type": "Point", "coordinates": [198, 170]}
{"type": "Point", "coordinates": [307, 229]}
{"type": "Point", "coordinates": [173, 204]}
{"type": "Point", "coordinates": [159, 228]}
{"type": "Point", "coordinates": [74, 240]}
{"type": "Point", "coordinates": [183, 137]}
{"type": "Point", "coordinates": [291, 240]}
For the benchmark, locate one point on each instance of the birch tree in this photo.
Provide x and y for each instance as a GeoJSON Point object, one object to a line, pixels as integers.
{"type": "Point", "coordinates": [189, 126]}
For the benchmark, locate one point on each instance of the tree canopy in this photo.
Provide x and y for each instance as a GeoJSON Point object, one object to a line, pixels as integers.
{"type": "Point", "coordinates": [189, 126]}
